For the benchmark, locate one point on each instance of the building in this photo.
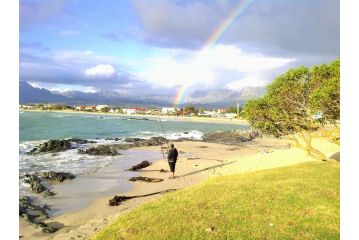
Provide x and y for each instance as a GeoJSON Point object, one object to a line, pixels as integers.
{"type": "Point", "coordinates": [168, 111]}
{"type": "Point", "coordinates": [129, 111]}
{"type": "Point", "coordinates": [100, 107]}
{"type": "Point", "coordinates": [90, 108]}
{"type": "Point", "coordinates": [208, 114]}
{"type": "Point", "coordinates": [134, 110]}
{"type": "Point", "coordinates": [230, 115]}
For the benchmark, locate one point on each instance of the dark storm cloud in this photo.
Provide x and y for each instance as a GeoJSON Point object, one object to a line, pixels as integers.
{"type": "Point", "coordinates": [304, 26]}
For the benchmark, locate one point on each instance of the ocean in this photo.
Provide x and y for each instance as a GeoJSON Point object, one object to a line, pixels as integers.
{"type": "Point", "coordinates": [104, 175]}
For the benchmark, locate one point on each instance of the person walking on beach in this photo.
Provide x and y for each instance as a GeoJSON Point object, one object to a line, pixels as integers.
{"type": "Point", "coordinates": [172, 159]}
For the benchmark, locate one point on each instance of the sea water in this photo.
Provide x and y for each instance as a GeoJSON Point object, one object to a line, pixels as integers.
{"type": "Point", "coordinates": [95, 175]}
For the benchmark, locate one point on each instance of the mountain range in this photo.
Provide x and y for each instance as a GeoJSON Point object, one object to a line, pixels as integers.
{"type": "Point", "coordinates": [208, 99]}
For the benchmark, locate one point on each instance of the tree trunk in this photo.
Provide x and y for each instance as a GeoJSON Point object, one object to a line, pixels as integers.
{"type": "Point", "coordinates": [310, 149]}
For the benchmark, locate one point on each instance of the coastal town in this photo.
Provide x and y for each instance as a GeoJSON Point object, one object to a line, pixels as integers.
{"type": "Point", "coordinates": [189, 111]}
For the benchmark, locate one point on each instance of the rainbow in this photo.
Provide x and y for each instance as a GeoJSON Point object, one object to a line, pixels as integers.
{"type": "Point", "coordinates": [213, 38]}
{"type": "Point", "coordinates": [180, 95]}
{"type": "Point", "coordinates": [226, 23]}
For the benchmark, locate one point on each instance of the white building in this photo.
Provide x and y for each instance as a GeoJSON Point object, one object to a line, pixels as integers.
{"type": "Point", "coordinates": [168, 110]}
{"type": "Point", "coordinates": [100, 107]}
{"type": "Point", "coordinates": [129, 111]}
{"type": "Point", "coordinates": [230, 115]}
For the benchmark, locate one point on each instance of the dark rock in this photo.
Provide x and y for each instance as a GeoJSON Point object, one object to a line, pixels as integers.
{"type": "Point", "coordinates": [27, 209]}
{"type": "Point", "coordinates": [57, 145]}
{"type": "Point", "coordinates": [163, 170]}
{"type": "Point", "coordinates": [48, 193]}
{"type": "Point", "coordinates": [231, 137]}
{"type": "Point", "coordinates": [56, 176]}
{"type": "Point", "coordinates": [141, 165]}
{"type": "Point", "coordinates": [35, 183]}
{"type": "Point", "coordinates": [81, 141]}
{"type": "Point", "coordinates": [145, 179]}
{"type": "Point", "coordinates": [115, 139]}
{"type": "Point", "coordinates": [104, 150]}
{"type": "Point", "coordinates": [46, 228]}
{"type": "Point", "coordinates": [153, 141]}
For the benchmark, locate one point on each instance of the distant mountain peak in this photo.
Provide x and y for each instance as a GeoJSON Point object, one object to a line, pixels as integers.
{"type": "Point", "coordinates": [210, 98]}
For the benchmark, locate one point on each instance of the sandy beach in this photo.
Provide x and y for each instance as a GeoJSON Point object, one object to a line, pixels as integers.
{"type": "Point", "coordinates": [163, 117]}
{"type": "Point", "coordinates": [197, 161]}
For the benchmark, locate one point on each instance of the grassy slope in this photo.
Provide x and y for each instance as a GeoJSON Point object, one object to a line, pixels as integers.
{"type": "Point", "coordinates": [297, 202]}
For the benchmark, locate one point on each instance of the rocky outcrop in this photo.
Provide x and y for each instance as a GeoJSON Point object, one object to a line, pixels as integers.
{"type": "Point", "coordinates": [145, 179]}
{"type": "Point", "coordinates": [153, 141]}
{"type": "Point", "coordinates": [114, 139]}
{"type": "Point", "coordinates": [35, 183]}
{"type": "Point", "coordinates": [56, 176]}
{"type": "Point", "coordinates": [231, 137]}
{"type": "Point", "coordinates": [103, 150]}
{"type": "Point", "coordinates": [35, 214]}
{"type": "Point", "coordinates": [141, 165]}
{"type": "Point", "coordinates": [58, 145]}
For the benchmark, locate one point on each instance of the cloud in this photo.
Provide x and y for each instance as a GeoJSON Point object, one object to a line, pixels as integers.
{"type": "Point", "coordinates": [197, 69]}
{"type": "Point", "coordinates": [83, 68]}
{"type": "Point", "coordinates": [248, 81]}
{"type": "Point", "coordinates": [106, 70]}
{"type": "Point", "coordinates": [290, 26]}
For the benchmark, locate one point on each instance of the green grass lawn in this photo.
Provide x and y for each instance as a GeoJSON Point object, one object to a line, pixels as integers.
{"type": "Point", "coordinates": [297, 202]}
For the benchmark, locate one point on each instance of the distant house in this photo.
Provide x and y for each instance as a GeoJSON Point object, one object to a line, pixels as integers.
{"type": "Point", "coordinates": [154, 111]}
{"type": "Point", "coordinates": [135, 110]}
{"type": "Point", "coordinates": [140, 110]}
{"type": "Point", "coordinates": [208, 114]}
{"type": "Point", "coordinates": [90, 108]}
{"type": "Point", "coordinates": [100, 107]}
{"type": "Point", "coordinates": [168, 111]}
{"type": "Point", "coordinates": [26, 106]}
{"type": "Point", "coordinates": [230, 115]}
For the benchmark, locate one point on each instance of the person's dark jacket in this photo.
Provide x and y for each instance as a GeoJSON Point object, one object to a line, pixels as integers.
{"type": "Point", "coordinates": [172, 155]}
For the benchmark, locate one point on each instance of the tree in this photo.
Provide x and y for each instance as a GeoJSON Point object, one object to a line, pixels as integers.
{"type": "Point", "coordinates": [292, 98]}
{"type": "Point", "coordinates": [234, 110]}
{"type": "Point", "coordinates": [105, 109]}
{"type": "Point", "coordinates": [325, 97]}
{"type": "Point", "coordinates": [190, 109]}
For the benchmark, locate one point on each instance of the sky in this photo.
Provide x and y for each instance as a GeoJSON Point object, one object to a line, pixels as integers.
{"type": "Point", "coordinates": [172, 47]}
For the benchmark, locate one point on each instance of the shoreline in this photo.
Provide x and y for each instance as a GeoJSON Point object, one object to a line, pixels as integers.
{"type": "Point", "coordinates": [198, 161]}
{"type": "Point", "coordinates": [163, 117]}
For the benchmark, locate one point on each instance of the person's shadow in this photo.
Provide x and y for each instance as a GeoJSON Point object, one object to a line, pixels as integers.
{"type": "Point", "coordinates": [205, 169]}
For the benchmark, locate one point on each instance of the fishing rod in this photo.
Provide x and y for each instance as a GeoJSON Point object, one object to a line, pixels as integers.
{"type": "Point", "coordinates": [164, 133]}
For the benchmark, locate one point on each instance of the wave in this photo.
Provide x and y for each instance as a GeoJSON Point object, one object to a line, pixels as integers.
{"type": "Point", "coordinates": [193, 134]}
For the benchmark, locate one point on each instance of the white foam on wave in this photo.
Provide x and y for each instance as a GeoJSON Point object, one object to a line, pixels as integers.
{"type": "Point", "coordinates": [194, 134]}
{"type": "Point", "coordinates": [67, 161]}
{"type": "Point", "coordinates": [60, 115]}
